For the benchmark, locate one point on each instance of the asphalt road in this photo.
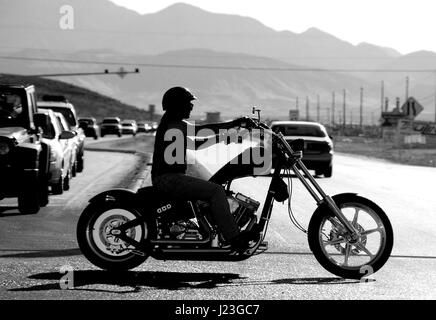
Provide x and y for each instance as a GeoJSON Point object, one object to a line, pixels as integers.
{"type": "Point", "coordinates": [36, 250]}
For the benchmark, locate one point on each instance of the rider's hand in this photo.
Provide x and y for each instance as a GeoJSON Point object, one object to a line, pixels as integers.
{"type": "Point", "coordinates": [246, 122]}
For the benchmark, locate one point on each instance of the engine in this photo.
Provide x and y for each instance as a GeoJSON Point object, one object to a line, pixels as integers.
{"type": "Point", "coordinates": [243, 210]}
{"type": "Point", "coordinates": [178, 221]}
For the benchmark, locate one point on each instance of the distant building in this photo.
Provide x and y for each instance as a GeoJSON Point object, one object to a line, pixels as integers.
{"type": "Point", "coordinates": [212, 117]}
{"type": "Point", "coordinates": [294, 115]}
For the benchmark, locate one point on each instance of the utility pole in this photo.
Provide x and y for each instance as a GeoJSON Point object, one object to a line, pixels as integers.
{"type": "Point", "coordinates": [382, 96]}
{"type": "Point", "coordinates": [307, 108]}
{"type": "Point", "coordinates": [344, 121]}
{"type": "Point", "coordinates": [333, 108]}
{"type": "Point", "coordinates": [435, 100]}
{"type": "Point", "coordinates": [361, 109]}
{"type": "Point", "coordinates": [317, 107]}
{"type": "Point", "coordinates": [329, 122]}
{"type": "Point", "coordinates": [407, 88]}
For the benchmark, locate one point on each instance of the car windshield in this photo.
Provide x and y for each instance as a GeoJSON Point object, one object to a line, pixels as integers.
{"type": "Point", "coordinates": [11, 110]}
{"type": "Point", "coordinates": [110, 121]}
{"type": "Point", "coordinates": [66, 112]}
{"type": "Point", "coordinates": [299, 130]}
{"type": "Point", "coordinates": [86, 121]}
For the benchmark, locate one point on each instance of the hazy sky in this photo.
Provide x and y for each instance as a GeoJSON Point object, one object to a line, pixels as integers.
{"type": "Point", "coordinates": [405, 25]}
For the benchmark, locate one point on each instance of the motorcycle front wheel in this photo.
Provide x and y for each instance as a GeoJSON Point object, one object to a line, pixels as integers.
{"type": "Point", "coordinates": [346, 256]}
{"type": "Point", "coordinates": [105, 250]}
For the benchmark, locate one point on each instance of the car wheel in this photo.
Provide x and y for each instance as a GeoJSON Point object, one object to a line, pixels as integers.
{"type": "Point", "coordinates": [29, 198]}
{"type": "Point", "coordinates": [43, 192]}
{"type": "Point", "coordinates": [58, 187]}
{"type": "Point", "coordinates": [80, 163]}
{"type": "Point", "coordinates": [66, 184]}
{"type": "Point", "coordinates": [74, 169]}
{"type": "Point", "coordinates": [328, 171]}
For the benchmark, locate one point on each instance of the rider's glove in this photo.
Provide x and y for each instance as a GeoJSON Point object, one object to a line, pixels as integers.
{"type": "Point", "coordinates": [245, 122]}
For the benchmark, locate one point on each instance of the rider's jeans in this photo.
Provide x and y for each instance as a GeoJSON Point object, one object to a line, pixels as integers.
{"type": "Point", "coordinates": [184, 187]}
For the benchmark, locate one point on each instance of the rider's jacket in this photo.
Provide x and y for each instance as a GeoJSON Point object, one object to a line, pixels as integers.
{"type": "Point", "coordinates": [169, 154]}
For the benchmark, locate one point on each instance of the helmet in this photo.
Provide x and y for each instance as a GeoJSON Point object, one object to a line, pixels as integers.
{"type": "Point", "coordinates": [176, 96]}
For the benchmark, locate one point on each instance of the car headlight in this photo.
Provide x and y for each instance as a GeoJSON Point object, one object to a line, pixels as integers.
{"type": "Point", "coordinates": [4, 148]}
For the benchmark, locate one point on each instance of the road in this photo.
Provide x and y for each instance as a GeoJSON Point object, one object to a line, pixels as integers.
{"type": "Point", "coordinates": [35, 248]}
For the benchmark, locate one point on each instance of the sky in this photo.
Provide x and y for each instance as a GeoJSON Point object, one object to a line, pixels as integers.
{"type": "Point", "coordinates": [404, 25]}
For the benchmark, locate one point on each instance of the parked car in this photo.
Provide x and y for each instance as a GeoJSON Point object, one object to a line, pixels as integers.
{"type": "Point", "coordinates": [23, 158]}
{"type": "Point", "coordinates": [129, 127]}
{"type": "Point", "coordinates": [69, 149]}
{"type": "Point", "coordinates": [318, 145]}
{"type": "Point", "coordinates": [60, 158]}
{"type": "Point", "coordinates": [90, 127]}
{"type": "Point", "coordinates": [111, 125]}
{"type": "Point", "coordinates": [62, 105]}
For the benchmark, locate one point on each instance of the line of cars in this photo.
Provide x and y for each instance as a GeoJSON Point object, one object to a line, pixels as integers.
{"type": "Point", "coordinates": [66, 141]}
{"type": "Point", "coordinates": [41, 146]}
{"type": "Point", "coordinates": [114, 125]}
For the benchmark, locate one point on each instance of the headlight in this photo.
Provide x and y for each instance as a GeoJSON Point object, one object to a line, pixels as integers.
{"type": "Point", "coordinates": [4, 148]}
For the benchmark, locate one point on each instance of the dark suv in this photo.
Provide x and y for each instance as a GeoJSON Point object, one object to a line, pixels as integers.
{"type": "Point", "coordinates": [111, 125]}
{"type": "Point", "coordinates": [24, 160]}
{"type": "Point", "coordinates": [318, 145]}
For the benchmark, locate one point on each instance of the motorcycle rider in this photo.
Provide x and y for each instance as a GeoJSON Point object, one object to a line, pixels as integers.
{"type": "Point", "coordinates": [170, 176]}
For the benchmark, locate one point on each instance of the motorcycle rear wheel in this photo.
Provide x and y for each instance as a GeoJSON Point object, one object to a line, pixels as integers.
{"type": "Point", "coordinates": [340, 254]}
{"type": "Point", "coordinates": [104, 250]}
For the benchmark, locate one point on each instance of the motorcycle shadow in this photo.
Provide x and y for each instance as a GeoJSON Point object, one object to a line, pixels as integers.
{"type": "Point", "coordinates": [136, 280]}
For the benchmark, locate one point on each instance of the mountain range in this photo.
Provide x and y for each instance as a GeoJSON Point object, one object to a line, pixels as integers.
{"type": "Point", "coordinates": [231, 61]}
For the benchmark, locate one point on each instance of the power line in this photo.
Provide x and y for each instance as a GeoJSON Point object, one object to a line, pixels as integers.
{"type": "Point", "coordinates": [187, 66]}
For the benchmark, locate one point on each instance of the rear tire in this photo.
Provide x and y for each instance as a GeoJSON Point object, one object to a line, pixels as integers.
{"type": "Point", "coordinates": [80, 162]}
{"type": "Point", "coordinates": [66, 183]}
{"type": "Point", "coordinates": [328, 172]}
{"type": "Point", "coordinates": [29, 198]}
{"type": "Point", "coordinates": [58, 187]}
{"type": "Point", "coordinates": [43, 192]}
{"type": "Point", "coordinates": [99, 247]}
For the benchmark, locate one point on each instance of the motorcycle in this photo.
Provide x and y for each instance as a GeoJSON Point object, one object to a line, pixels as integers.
{"type": "Point", "coordinates": [349, 235]}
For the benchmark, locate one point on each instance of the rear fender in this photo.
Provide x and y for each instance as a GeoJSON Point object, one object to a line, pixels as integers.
{"type": "Point", "coordinates": [147, 197]}
{"type": "Point", "coordinates": [114, 195]}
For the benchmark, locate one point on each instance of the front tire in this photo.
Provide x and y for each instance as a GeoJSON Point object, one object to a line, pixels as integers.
{"type": "Point", "coordinates": [103, 249]}
{"type": "Point", "coordinates": [346, 257]}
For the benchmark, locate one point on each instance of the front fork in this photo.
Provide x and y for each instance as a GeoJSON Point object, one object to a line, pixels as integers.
{"type": "Point", "coordinates": [313, 187]}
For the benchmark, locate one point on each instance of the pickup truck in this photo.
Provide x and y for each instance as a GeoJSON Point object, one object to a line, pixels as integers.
{"type": "Point", "coordinates": [24, 159]}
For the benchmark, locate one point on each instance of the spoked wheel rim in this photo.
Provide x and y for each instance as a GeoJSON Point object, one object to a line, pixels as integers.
{"type": "Point", "coordinates": [353, 253]}
{"type": "Point", "coordinates": [103, 242]}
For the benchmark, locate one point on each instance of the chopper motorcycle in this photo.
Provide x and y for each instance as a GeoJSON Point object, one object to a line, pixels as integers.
{"type": "Point", "coordinates": [349, 235]}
